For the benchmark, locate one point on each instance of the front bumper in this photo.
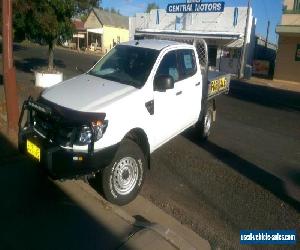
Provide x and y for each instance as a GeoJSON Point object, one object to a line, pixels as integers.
{"type": "Point", "coordinates": [50, 130]}
{"type": "Point", "coordinates": [65, 164]}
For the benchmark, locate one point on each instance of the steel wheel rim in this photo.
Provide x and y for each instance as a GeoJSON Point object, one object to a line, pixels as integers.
{"type": "Point", "coordinates": [125, 175]}
{"type": "Point", "coordinates": [207, 123]}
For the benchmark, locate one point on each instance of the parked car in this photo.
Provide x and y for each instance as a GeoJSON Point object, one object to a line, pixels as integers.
{"type": "Point", "coordinates": [108, 121]}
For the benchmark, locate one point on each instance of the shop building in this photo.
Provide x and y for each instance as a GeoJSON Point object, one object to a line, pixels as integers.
{"type": "Point", "coordinates": [288, 57]}
{"type": "Point", "coordinates": [224, 32]}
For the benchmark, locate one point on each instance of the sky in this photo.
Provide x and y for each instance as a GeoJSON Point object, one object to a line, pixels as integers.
{"type": "Point", "coordinates": [264, 10]}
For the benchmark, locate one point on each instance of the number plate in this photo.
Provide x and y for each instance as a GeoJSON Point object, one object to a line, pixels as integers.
{"type": "Point", "coordinates": [33, 150]}
{"type": "Point", "coordinates": [218, 85]}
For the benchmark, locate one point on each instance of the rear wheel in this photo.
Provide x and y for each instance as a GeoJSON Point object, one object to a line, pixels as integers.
{"type": "Point", "coordinates": [204, 126]}
{"type": "Point", "coordinates": [124, 177]}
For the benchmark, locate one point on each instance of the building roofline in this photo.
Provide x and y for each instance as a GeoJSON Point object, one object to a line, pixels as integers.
{"type": "Point", "coordinates": [93, 9]}
{"type": "Point", "coordinates": [288, 29]}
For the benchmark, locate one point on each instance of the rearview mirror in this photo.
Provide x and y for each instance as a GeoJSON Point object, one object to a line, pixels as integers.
{"type": "Point", "coordinates": [163, 82]}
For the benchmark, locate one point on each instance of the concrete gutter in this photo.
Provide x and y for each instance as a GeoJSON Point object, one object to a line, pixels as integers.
{"type": "Point", "coordinates": [154, 220]}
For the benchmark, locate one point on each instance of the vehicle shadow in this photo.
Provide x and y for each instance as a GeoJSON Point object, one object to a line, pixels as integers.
{"type": "Point", "coordinates": [28, 65]}
{"type": "Point", "coordinates": [285, 190]}
{"type": "Point", "coordinates": [264, 95]}
{"type": "Point", "coordinates": [37, 214]}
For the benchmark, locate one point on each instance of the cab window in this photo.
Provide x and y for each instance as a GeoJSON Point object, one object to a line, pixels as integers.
{"type": "Point", "coordinates": [187, 63]}
{"type": "Point", "coordinates": [169, 66]}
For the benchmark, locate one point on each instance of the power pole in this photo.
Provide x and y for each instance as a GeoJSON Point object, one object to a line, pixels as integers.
{"type": "Point", "coordinates": [9, 72]}
{"type": "Point", "coordinates": [267, 37]}
{"type": "Point", "coordinates": [244, 50]}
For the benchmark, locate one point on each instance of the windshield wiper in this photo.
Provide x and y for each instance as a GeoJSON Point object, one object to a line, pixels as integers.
{"type": "Point", "coordinates": [116, 79]}
{"type": "Point", "coordinates": [106, 77]}
{"type": "Point", "coordinates": [93, 74]}
{"type": "Point", "coordinates": [111, 78]}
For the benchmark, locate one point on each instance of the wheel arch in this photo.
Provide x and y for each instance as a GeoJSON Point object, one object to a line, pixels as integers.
{"type": "Point", "coordinates": [210, 103]}
{"type": "Point", "coordinates": [139, 136]}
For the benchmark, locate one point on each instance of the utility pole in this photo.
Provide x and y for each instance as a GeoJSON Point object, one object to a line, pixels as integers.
{"type": "Point", "coordinates": [267, 37]}
{"type": "Point", "coordinates": [244, 50]}
{"type": "Point", "coordinates": [9, 72]}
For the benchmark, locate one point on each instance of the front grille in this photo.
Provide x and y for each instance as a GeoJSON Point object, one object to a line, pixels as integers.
{"type": "Point", "coordinates": [60, 134]}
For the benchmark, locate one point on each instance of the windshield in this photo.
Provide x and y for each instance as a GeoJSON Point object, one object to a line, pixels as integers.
{"type": "Point", "coordinates": [126, 64]}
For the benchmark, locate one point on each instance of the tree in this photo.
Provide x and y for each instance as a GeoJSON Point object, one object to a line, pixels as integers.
{"type": "Point", "coordinates": [44, 22]}
{"type": "Point", "coordinates": [1, 16]}
{"type": "Point", "coordinates": [84, 6]}
{"type": "Point", "coordinates": [151, 6]}
{"type": "Point", "coordinates": [113, 10]}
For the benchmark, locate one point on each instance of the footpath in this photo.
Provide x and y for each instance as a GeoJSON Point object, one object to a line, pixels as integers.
{"type": "Point", "coordinates": [39, 213]}
{"type": "Point", "coordinates": [282, 85]}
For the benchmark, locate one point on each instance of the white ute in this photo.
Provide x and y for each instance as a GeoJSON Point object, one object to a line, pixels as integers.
{"type": "Point", "coordinates": [106, 123]}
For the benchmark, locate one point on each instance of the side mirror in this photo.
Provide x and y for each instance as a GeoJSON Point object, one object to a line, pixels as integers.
{"type": "Point", "coordinates": [163, 82]}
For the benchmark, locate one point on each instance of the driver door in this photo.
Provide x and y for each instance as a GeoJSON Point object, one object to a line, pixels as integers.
{"type": "Point", "coordinates": [168, 103]}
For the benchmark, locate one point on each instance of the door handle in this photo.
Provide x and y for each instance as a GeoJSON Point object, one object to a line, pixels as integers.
{"type": "Point", "coordinates": [197, 84]}
{"type": "Point", "coordinates": [179, 93]}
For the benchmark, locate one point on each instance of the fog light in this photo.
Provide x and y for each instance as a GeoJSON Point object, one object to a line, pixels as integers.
{"type": "Point", "coordinates": [77, 158]}
{"type": "Point", "coordinates": [85, 136]}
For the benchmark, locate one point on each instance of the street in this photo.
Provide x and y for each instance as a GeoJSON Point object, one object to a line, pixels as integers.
{"type": "Point", "coordinates": [246, 176]}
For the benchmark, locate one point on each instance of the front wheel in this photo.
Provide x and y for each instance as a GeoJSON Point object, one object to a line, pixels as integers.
{"type": "Point", "coordinates": [124, 177]}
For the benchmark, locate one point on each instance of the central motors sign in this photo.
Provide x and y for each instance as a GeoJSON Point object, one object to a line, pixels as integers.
{"type": "Point", "coordinates": [196, 6]}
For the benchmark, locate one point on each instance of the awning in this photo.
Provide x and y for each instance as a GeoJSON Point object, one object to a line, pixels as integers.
{"type": "Point", "coordinates": [96, 31]}
{"type": "Point", "coordinates": [222, 39]}
{"type": "Point", "coordinates": [190, 34]}
{"type": "Point", "coordinates": [235, 44]}
{"type": "Point", "coordinates": [288, 29]}
{"type": "Point", "coordinates": [79, 35]}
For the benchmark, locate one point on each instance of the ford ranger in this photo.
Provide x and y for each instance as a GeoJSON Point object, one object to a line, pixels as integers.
{"type": "Point", "coordinates": [107, 122]}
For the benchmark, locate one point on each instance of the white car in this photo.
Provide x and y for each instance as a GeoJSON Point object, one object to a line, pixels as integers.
{"type": "Point", "coordinates": [110, 119]}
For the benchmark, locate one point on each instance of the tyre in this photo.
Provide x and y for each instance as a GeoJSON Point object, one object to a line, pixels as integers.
{"type": "Point", "coordinates": [124, 177]}
{"type": "Point", "coordinates": [204, 126]}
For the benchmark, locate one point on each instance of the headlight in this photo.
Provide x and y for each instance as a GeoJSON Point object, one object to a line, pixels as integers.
{"type": "Point", "coordinates": [86, 134]}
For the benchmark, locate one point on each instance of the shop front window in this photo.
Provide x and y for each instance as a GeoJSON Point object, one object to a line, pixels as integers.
{"type": "Point", "coordinates": [231, 53]}
{"type": "Point", "coordinates": [297, 5]}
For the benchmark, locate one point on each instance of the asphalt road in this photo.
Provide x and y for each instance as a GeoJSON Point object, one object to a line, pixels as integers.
{"type": "Point", "coordinates": [243, 177]}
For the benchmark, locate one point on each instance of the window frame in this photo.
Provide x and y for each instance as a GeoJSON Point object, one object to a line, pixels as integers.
{"type": "Point", "coordinates": [177, 64]}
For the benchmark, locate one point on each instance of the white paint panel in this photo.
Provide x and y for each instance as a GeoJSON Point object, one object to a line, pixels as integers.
{"type": "Point", "coordinates": [97, 31]}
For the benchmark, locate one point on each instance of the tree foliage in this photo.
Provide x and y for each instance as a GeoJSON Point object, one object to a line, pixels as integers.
{"type": "Point", "coordinates": [151, 6]}
{"type": "Point", "coordinates": [84, 6]}
{"type": "Point", "coordinates": [113, 10]}
{"type": "Point", "coordinates": [1, 16]}
{"type": "Point", "coordinates": [44, 21]}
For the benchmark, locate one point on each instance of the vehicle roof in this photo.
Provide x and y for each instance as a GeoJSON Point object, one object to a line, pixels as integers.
{"type": "Point", "coordinates": [152, 44]}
